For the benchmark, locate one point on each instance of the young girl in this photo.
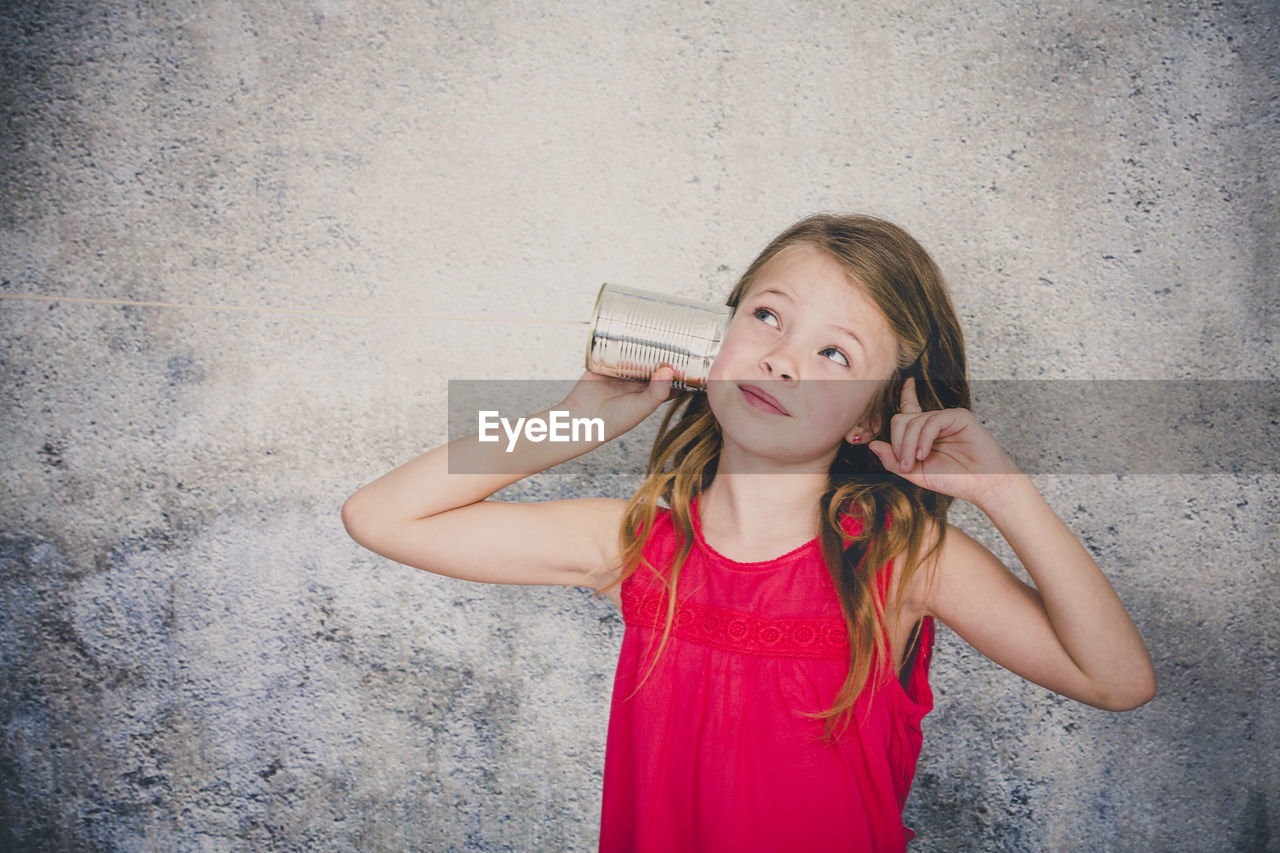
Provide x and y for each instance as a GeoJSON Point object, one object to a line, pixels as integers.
{"type": "Point", "coordinates": [781, 566]}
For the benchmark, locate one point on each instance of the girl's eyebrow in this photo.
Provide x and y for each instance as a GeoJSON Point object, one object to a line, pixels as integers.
{"type": "Point", "coordinates": [775, 290]}
{"type": "Point", "coordinates": [850, 333]}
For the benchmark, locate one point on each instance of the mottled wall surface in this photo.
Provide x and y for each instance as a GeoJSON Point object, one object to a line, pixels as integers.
{"type": "Point", "coordinates": [193, 655]}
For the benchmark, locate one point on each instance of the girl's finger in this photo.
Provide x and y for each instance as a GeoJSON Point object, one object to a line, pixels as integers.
{"type": "Point", "coordinates": [929, 433]}
{"type": "Point", "coordinates": [884, 452]}
{"type": "Point", "coordinates": [910, 403]}
{"type": "Point", "coordinates": [905, 428]}
{"type": "Point", "coordinates": [660, 382]}
{"type": "Point", "coordinates": [897, 430]}
{"type": "Point", "coordinates": [909, 450]}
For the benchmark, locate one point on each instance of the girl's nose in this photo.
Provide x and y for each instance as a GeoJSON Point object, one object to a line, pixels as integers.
{"type": "Point", "coordinates": [778, 364]}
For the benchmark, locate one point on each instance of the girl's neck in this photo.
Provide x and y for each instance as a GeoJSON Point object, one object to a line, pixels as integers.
{"type": "Point", "coordinates": [754, 498]}
{"type": "Point", "coordinates": [758, 508]}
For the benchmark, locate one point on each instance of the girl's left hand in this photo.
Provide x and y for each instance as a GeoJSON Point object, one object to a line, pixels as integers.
{"type": "Point", "coordinates": [945, 451]}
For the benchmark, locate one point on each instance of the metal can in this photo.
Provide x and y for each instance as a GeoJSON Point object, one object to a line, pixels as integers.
{"type": "Point", "coordinates": [633, 332]}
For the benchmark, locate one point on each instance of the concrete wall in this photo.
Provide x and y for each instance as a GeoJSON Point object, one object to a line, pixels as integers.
{"type": "Point", "coordinates": [193, 654]}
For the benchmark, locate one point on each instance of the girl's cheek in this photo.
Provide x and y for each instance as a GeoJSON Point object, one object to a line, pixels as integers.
{"type": "Point", "coordinates": [725, 358]}
{"type": "Point", "coordinates": [718, 366]}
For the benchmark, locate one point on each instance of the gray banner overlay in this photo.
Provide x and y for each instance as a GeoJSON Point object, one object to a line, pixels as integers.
{"type": "Point", "coordinates": [1046, 426]}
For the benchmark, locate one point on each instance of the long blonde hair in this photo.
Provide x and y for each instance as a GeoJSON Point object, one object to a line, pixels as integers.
{"type": "Point", "coordinates": [902, 280]}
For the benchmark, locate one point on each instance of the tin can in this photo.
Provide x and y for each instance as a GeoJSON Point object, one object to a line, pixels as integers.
{"type": "Point", "coordinates": [633, 332]}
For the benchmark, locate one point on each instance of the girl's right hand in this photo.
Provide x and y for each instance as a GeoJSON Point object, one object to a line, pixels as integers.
{"type": "Point", "coordinates": [620, 403]}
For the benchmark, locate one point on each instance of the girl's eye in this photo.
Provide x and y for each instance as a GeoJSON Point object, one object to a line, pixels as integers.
{"type": "Point", "coordinates": [767, 313]}
{"type": "Point", "coordinates": [837, 356]}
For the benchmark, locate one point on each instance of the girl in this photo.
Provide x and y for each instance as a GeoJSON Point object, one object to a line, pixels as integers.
{"type": "Point", "coordinates": [779, 607]}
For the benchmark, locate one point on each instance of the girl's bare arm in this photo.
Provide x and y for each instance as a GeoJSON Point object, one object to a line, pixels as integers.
{"type": "Point", "coordinates": [1070, 632]}
{"type": "Point", "coordinates": [422, 515]}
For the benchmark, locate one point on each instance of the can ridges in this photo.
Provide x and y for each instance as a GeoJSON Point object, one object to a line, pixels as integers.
{"type": "Point", "coordinates": [634, 331]}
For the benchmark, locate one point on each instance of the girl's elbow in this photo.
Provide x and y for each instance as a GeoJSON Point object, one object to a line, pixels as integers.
{"type": "Point", "coordinates": [355, 518]}
{"type": "Point", "coordinates": [1135, 694]}
{"type": "Point", "coordinates": [1146, 691]}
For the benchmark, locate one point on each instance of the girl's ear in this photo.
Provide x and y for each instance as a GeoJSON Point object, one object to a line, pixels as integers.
{"type": "Point", "coordinates": [870, 425]}
{"type": "Point", "coordinates": [860, 434]}
{"type": "Point", "coordinates": [865, 431]}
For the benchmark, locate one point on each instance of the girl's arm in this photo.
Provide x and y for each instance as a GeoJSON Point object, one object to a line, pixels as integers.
{"type": "Point", "coordinates": [423, 516]}
{"type": "Point", "coordinates": [1069, 632]}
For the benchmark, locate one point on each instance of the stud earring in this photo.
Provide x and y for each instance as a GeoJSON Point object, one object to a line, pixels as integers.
{"type": "Point", "coordinates": [857, 438]}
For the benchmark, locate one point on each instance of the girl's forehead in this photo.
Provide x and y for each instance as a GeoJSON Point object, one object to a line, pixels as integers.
{"type": "Point", "coordinates": [802, 268]}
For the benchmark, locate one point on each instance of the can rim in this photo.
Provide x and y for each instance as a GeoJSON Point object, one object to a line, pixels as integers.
{"type": "Point", "coordinates": [595, 320]}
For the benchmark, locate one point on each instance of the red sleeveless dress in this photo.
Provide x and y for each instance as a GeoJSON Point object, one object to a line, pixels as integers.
{"type": "Point", "coordinates": [713, 751]}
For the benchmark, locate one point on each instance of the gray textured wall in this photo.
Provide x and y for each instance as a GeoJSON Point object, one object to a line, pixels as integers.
{"type": "Point", "coordinates": [195, 657]}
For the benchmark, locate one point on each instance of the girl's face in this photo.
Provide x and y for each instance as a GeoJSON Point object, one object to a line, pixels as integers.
{"type": "Point", "coordinates": [802, 360]}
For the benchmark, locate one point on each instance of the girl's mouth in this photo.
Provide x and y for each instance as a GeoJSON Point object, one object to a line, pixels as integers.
{"type": "Point", "coordinates": [758, 399]}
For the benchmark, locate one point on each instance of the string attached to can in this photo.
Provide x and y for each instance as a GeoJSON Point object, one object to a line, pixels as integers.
{"type": "Point", "coordinates": [294, 312]}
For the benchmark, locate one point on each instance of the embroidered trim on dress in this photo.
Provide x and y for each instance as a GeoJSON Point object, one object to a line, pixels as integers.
{"type": "Point", "coordinates": [734, 631]}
